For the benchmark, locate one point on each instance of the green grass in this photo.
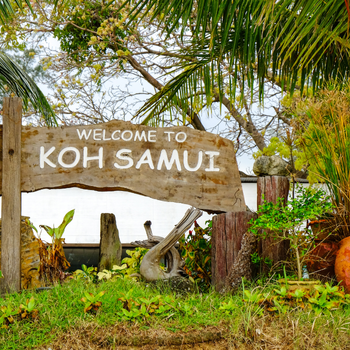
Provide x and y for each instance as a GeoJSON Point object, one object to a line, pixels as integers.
{"type": "Point", "coordinates": [61, 312]}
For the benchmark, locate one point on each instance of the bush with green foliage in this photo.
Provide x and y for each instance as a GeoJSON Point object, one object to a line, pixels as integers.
{"type": "Point", "coordinates": [196, 251]}
{"type": "Point", "coordinates": [86, 273]}
{"type": "Point", "coordinates": [320, 299]}
{"type": "Point", "coordinates": [287, 221]}
{"type": "Point", "coordinates": [130, 268]}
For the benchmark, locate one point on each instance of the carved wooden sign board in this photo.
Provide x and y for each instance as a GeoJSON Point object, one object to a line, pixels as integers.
{"type": "Point", "coordinates": [175, 164]}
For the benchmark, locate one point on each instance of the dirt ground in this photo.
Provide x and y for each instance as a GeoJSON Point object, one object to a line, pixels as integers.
{"type": "Point", "coordinates": [132, 337]}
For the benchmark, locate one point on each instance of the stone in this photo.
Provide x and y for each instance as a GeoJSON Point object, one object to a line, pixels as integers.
{"type": "Point", "coordinates": [271, 166]}
{"type": "Point", "coordinates": [261, 166]}
{"type": "Point", "coordinates": [179, 285]}
{"type": "Point", "coordinates": [278, 167]}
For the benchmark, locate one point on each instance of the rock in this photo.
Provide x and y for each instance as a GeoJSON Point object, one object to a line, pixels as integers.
{"type": "Point", "coordinates": [261, 166]}
{"type": "Point", "coordinates": [177, 284]}
{"type": "Point", "coordinates": [271, 166]}
{"type": "Point", "coordinates": [278, 166]}
{"type": "Point", "coordinates": [30, 259]}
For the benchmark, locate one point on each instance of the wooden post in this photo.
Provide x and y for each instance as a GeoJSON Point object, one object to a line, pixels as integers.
{"type": "Point", "coordinates": [110, 246]}
{"type": "Point", "coordinates": [11, 195]}
{"type": "Point", "coordinates": [228, 230]}
{"type": "Point", "coordinates": [272, 188]}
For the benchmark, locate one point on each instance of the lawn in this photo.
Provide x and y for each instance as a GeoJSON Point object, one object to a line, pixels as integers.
{"type": "Point", "coordinates": [138, 315]}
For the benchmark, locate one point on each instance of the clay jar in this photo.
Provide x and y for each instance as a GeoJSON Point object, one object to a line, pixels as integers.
{"type": "Point", "coordinates": [322, 259]}
{"type": "Point", "coordinates": [342, 264]}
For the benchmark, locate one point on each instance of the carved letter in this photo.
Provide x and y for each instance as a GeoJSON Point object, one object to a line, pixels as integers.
{"type": "Point", "coordinates": [83, 134]}
{"type": "Point", "coordinates": [177, 138]}
{"type": "Point", "coordinates": [146, 158]}
{"type": "Point", "coordinates": [68, 149]}
{"type": "Point", "coordinates": [211, 155]}
{"type": "Point", "coordinates": [44, 157]}
{"type": "Point", "coordinates": [140, 137]}
{"type": "Point", "coordinates": [199, 163]}
{"type": "Point", "coordinates": [169, 133]}
{"type": "Point", "coordinates": [104, 136]}
{"type": "Point", "coordinates": [123, 135]}
{"type": "Point", "coordinates": [115, 138]}
{"type": "Point", "coordinates": [120, 156]}
{"type": "Point", "coordinates": [152, 136]}
{"type": "Point", "coordinates": [99, 157]}
{"type": "Point", "coordinates": [97, 134]}
{"type": "Point", "coordinates": [163, 158]}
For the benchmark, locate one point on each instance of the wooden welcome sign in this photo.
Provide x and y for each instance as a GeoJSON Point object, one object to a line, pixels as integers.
{"type": "Point", "coordinates": [175, 164]}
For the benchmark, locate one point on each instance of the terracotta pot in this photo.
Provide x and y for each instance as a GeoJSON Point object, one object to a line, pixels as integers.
{"type": "Point", "coordinates": [322, 259]}
{"type": "Point", "coordinates": [342, 264]}
{"type": "Point", "coordinates": [323, 230]}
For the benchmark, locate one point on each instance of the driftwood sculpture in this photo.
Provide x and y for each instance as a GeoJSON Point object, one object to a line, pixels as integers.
{"type": "Point", "coordinates": [160, 247]}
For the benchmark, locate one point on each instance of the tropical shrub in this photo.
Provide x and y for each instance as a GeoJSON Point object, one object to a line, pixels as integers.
{"type": "Point", "coordinates": [134, 262]}
{"type": "Point", "coordinates": [53, 261]}
{"type": "Point", "coordinates": [92, 302]}
{"type": "Point", "coordinates": [196, 252]}
{"type": "Point", "coordinates": [141, 308]}
{"type": "Point", "coordinates": [130, 267]}
{"type": "Point", "coordinates": [287, 222]}
{"type": "Point", "coordinates": [320, 299]}
{"type": "Point", "coordinates": [10, 314]}
{"type": "Point", "coordinates": [325, 139]}
{"type": "Point", "coordinates": [86, 273]}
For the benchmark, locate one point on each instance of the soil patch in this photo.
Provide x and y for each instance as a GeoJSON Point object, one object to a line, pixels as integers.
{"type": "Point", "coordinates": [91, 337]}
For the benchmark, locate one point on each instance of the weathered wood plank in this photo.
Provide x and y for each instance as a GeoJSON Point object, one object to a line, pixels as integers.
{"type": "Point", "coordinates": [110, 245]}
{"type": "Point", "coordinates": [213, 251]}
{"type": "Point", "coordinates": [230, 237]}
{"type": "Point", "coordinates": [175, 164]}
{"type": "Point", "coordinates": [11, 195]}
{"type": "Point", "coordinates": [217, 246]}
{"type": "Point", "coordinates": [228, 230]}
{"type": "Point", "coordinates": [273, 187]}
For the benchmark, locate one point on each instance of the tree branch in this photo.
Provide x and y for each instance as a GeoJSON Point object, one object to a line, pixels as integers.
{"type": "Point", "coordinates": [248, 126]}
{"type": "Point", "coordinates": [195, 121]}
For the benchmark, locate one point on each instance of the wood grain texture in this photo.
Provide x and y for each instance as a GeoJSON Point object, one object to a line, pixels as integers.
{"type": "Point", "coordinates": [30, 259]}
{"type": "Point", "coordinates": [228, 230]}
{"type": "Point", "coordinates": [218, 191]}
{"type": "Point", "coordinates": [273, 187]}
{"type": "Point", "coordinates": [110, 245]}
{"type": "Point", "coordinates": [11, 195]}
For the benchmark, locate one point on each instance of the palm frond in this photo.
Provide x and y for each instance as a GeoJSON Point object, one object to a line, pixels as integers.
{"type": "Point", "coordinates": [20, 83]}
{"type": "Point", "coordinates": [7, 9]}
{"type": "Point", "coordinates": [295, 42]}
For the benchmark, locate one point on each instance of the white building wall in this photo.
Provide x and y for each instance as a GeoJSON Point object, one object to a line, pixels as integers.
{"type": "Point", "coordinates": [49, 206]}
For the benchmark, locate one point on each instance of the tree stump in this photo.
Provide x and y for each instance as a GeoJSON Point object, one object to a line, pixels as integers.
{"type": "Point", "coordinates": [228, 230]}
{"type": "Point", "coordinates": [30, 259]}
{"type": "Point", "coordinates": [110, 246]}
{"type": "Point", "coordinates": [272, 188]}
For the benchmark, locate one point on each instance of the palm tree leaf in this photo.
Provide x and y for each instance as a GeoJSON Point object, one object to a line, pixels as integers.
{"type": "Point", "coordinates": [288, 35]}
{"type": "Point", "coordinates": [297, 42]}
{"type": "Point", "coordinates": [12, 76]}
{"type": "Point", "coordinates": [7, 9]}
{"type": "Point", "coordinates": [21, 84]}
